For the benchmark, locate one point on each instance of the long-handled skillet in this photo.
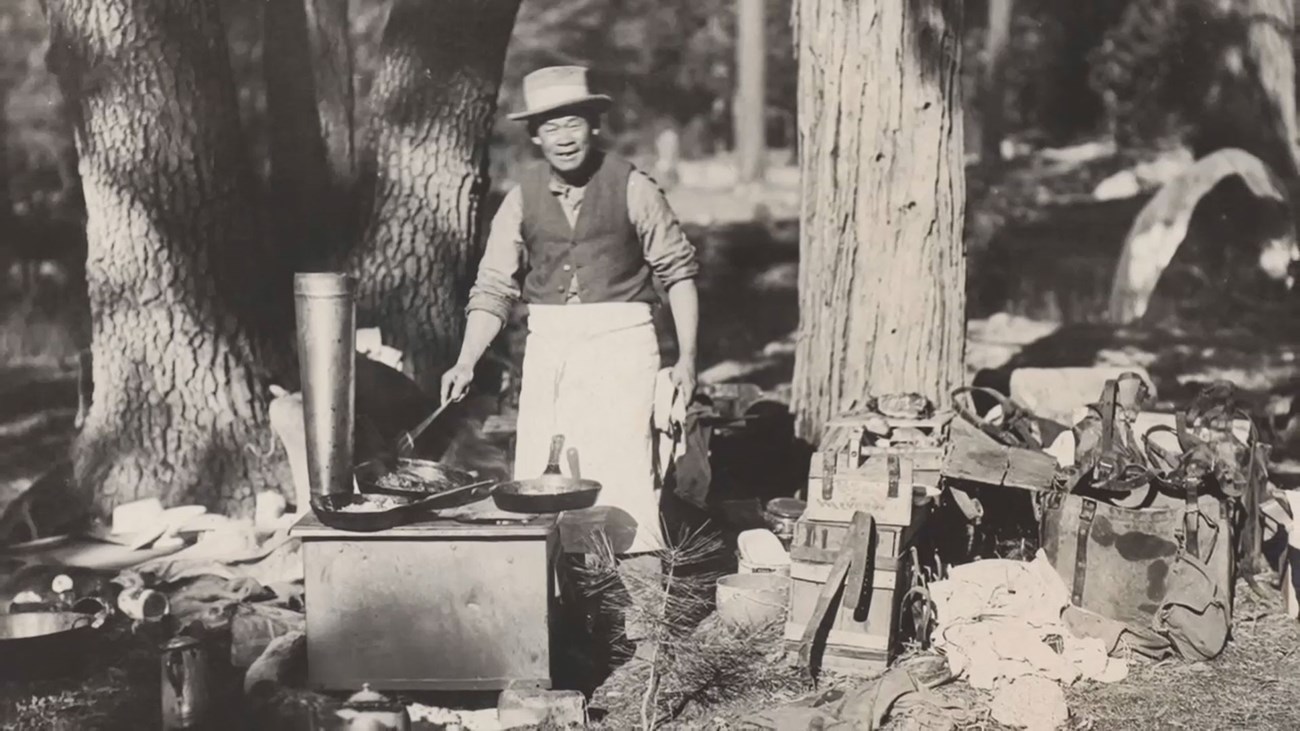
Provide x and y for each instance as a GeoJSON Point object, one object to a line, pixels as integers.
{"type": "Point", "coordinates": [550, 493]}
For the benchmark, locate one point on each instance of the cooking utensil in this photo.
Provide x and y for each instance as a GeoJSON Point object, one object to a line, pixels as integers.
{"type": "Point", "coordinates": [550, 493]}
{"type": "Point", "coordinates": [433, 477]}
{"type": "Point", "coordinates": [407, 441]}
{"type": "Point", "coordinates": [44, 644]}
{"type": "Point", "coordinates": [186, 687]}
{"type": "Point", "coordinates": [328, 508]}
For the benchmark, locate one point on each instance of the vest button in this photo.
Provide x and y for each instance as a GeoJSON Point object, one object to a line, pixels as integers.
{"type": "Point", "coordinates": [568, 268]}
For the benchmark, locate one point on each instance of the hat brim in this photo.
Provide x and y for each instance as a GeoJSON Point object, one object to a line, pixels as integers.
{"type": "Point", "coordinates": [597, 102]}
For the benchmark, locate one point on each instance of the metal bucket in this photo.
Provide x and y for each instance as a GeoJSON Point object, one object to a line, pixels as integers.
{"type": "Point", "coordinates": [326, 311]}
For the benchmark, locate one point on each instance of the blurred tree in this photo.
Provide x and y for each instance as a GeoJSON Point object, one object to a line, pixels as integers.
{"type": "Point", "coordinates": [882, 264]}
{"type": "Point", "coordinates": [749, 111]}
{"type": "Point", "coordinates": [189, 289]}
{"type": "Point", "coordinates": [1215, 73]}
{"type": "Point", "coordinates": [993, 92]}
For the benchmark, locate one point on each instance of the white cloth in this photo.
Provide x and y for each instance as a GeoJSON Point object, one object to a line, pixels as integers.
{"type": "Point", "coordinates": [994, 617]}
{"type": "Point", "coordinates": [589, 374]}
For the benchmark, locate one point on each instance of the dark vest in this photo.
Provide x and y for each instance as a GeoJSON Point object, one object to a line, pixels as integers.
{"type": "Point", "coordinates": [603, 249]}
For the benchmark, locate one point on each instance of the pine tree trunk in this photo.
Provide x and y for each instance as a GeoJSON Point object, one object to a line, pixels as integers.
{"type": "Point", "coordinates": [174, 264]}
{"type": "Point", "coordinates": [432, 109]}
{"type": "Point", "coordinates": [882, 262]}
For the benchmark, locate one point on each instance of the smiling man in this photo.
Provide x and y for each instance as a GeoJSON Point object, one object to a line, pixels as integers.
{"type": "Point", "coordinates": [581, 240]}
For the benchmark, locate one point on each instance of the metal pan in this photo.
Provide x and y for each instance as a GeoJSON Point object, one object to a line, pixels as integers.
{"type": "Point", "coordinates": [429, 477]}
{"type": "Point", "coordinates": [328, 508]}
{"type": "Point", "coordinates": [44, 644]}
{"type": "Point", "coordinates": [550, 493]}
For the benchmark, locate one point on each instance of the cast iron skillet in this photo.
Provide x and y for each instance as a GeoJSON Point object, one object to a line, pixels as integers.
{"type": "Point", "coordinates": [550, 493]}
{"type": "Point", "coordinates": [434, 477]}
{"type": "Point", "coordinates": [327, 507]}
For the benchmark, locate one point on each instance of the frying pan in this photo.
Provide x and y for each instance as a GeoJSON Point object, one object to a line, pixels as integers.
{"type": "Point", "coordinates": [434, 477]}
{"type": "Point", "coordinates": [328, 508]}
{"type": "Point", "coordinates": [550, 493]}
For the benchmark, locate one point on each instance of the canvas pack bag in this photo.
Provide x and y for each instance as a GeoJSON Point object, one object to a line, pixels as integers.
{"type": "Point", "coordinates": [1137, 567]}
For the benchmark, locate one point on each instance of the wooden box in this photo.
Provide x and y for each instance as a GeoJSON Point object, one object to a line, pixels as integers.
{"type": "Point", "coordinates": [862, 644]}
{"type": "Point", "coordinates": [437, 605]}
{"type": "Point", "coordinates": [848, 473]}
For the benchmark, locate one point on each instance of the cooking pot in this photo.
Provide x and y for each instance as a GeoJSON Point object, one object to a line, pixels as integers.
{"type": "Point", "coordinates": [373, 711]}
{"type": "Point", "coordinates": [45, 644]}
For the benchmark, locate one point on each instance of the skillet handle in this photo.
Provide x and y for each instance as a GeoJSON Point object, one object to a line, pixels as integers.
{"type": "Point", "coordinates": [574, 472]}
{"type": "Point", "coordinates": [553, 462]}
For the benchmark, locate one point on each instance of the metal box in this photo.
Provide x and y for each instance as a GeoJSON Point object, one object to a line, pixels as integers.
{"type": "Point", "coordinates": [438, 605]}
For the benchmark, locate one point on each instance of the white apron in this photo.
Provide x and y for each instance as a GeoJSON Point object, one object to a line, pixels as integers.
{"type": "Point", "coordinates": [589, 374]}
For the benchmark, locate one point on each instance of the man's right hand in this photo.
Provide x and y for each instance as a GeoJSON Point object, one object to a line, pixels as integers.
{"type": "Point", "coordinates": [455, 382]}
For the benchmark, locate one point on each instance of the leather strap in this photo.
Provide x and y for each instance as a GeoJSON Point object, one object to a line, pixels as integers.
{"type": "Point", "coordinates": [1087, 512]}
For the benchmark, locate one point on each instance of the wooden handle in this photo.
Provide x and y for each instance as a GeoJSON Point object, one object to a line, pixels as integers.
{"type": "Point", "coordinates": [553, 462]}
{"type": "Point", "coordinates": [574, 472]}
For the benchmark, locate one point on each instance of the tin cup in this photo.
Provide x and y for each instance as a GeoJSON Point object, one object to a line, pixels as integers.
{"type": "Point", "coordinates": [143, 604]}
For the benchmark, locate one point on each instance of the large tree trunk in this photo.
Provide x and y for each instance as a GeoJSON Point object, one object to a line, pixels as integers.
{"type": "Point", "coordinates": [432, 108]}
{"type": "Point", "coordinates": [174, 265]}
{"type": "Point", "coordinates": [1268, 42]}
{"type": "Point", "coordinates": [882, 263]}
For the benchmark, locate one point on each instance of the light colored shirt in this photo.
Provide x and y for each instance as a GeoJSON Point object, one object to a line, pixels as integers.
{"type": "Point", "coordinates": [669, 254]}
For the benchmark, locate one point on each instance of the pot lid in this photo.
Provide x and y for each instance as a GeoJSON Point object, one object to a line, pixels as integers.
{"type": "Point", "coordinates": [367, 696]}
{"type": "Point", "coordinates": [180, 642]}
{"type": "Point", "coordinates": [786, 507]}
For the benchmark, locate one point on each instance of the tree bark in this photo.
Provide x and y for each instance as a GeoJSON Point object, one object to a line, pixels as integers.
{"type": "Point", "coordinates": [993, 95]}
{"type": "Point", "coordinates": [882, 261]}
{"type": "Point", "coordinates": [174, 265]}
{"type": "Point", "coordinates": [432, 108]}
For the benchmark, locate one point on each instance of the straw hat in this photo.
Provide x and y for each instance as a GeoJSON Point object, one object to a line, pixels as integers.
{"type": "Point", "coordinates": [558, 87]}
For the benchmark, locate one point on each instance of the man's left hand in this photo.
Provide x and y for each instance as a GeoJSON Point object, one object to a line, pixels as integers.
{"type": "Point", "coordinates": [683, 375]}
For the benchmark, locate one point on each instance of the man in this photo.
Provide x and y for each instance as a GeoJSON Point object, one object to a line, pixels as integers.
{"type": "Point", "coordinates": [579, 240]}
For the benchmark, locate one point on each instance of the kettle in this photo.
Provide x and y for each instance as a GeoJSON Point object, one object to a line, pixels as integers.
{"type": "Point", "coordinates": [367, 710]}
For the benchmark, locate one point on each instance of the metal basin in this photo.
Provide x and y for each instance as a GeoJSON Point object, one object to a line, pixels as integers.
{"type": "Point", "coordinates": [43, 644]}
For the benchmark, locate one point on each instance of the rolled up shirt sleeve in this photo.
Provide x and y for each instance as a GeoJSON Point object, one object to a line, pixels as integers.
{"type": "Point", "coordinates": [669, 253]}
{"type": "Point", "coordinates": [496, 288]}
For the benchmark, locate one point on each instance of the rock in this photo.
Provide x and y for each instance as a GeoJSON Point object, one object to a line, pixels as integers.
{"type": "Point", "coordinates": [277, 663]}
{"type": "Point", "coordinates": [254, 627]}
{"type": "Point", "coordinates": [553, 708]}
{"type": "Point", "coordinates": [1121, 185]}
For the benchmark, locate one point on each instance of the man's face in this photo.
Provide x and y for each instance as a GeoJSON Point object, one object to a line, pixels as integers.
{"type": "Point", "coordinates": [565, 141]}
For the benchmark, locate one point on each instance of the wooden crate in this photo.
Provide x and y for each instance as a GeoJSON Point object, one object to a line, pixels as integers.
{"type": "Point", "coordinates": [862, 644]}
{"type": "Point", "coordinates": [437, 605]}
{"type": "Point", "coordinates": [848, 474]}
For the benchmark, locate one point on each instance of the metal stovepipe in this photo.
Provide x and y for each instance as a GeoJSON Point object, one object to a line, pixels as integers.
{"type": "Point", "coordinates": [326, 311]}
